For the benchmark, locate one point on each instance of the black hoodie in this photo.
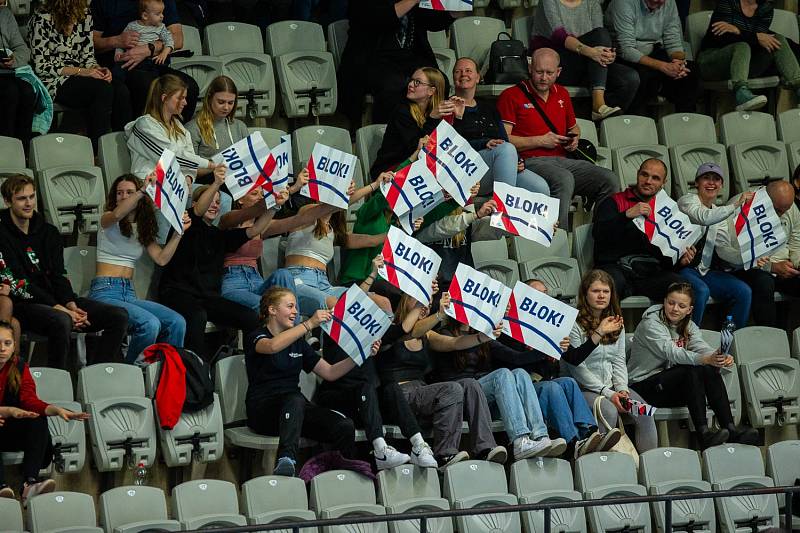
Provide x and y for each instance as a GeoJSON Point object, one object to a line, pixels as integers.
{"type": "Point", "coordinates": [37, 256]}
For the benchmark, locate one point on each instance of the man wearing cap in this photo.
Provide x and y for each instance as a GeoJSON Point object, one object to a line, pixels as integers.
{"type": "Point", "coordinates": [707, 272]}
{"type": "Point", "coordinates": [637, 266]}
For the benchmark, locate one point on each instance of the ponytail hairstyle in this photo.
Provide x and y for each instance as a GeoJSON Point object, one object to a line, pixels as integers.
{"type": "Point", "coordinates": [682, 327]}
{"type": "Point", "coordinates": [14, 376]}
{"type": "Point", "coordinates": [205, 117]}
{"type": "Point", "coordinates": [586, 320]}
{"type": "Point", "coordinates": [436, 81]}
{"type": "Point", "coordinates": [165, 86]}
{"type": "Point", "coordinates": [271, 298]}
{"type": "Point", "coordinates": [144, 214]}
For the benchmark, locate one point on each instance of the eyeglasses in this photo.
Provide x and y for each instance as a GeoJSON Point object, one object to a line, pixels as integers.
{"type": "Point", "coordinates": [417, 82]}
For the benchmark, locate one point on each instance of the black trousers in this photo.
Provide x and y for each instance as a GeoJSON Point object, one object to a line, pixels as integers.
{"type": "Point", "coordinates": [57, 327]}
{"type": "Point", "coordinates": [291, 416]}
{"type": "Point", "coordinates": [106, 105]}
{"type": "Point", "coordinates": [138, 81]}
{"type": "Point", "coordinates": [789, 286]}
{"type": "Point", "coordinates": [682, 92]}
{"type": "Point", "coordinates": [30, 436]}
{"type": "Point", "coordinates": [654, 287]}
{"type": "Point", "coordinates": [689, 386]}
{"type": "Point", "coordinates": [197, 311]}
{"type": "Point", "coordinates": [18, 102]}
{"type": "Point", "coordinates": [762, 285]}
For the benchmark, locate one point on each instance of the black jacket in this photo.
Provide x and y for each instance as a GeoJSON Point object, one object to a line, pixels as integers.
{"type": "Point", "coordinates": [400, 140]}
{"type": "Point", "coordinates": [37, 256]}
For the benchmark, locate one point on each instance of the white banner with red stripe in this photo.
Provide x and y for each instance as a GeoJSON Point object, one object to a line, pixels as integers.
{"type": "Point", "coordinates": [446, 5]}
{"type": "Point", "coordinates": [527, 214]}
{"type": "Point", "coordinates": [282, 153]}
{"type": "Point", "coordinates": [411, 186]}
{"type": "Point", "coordinates": [455, 164]}
{"type": "Point", "coordinates": [356, 323]}
{"type": "Point", "coordinates": [538, 320]}
{"type": "Point", "coordinates": [409, 265]}
{"type": "Point", "coordinates": [329, 174]}
{"type": "Point", "coordinates": [668, 227]}
{"type": "Point", "coordinates": [758, 229]}
{"type": "Point", "coordinates": [250, 165]}
{"type": "Point", "coordinates": [477, 300]}
{"type": "Point", "coordinates": [169, 191]}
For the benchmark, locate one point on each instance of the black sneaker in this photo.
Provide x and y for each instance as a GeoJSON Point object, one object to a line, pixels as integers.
{"type": "Point", "coordinates": [744, 435]}
{"type": "Point", "coordinates": [446, 460]}
{"type": "Point", "coordinates": [710, 437]}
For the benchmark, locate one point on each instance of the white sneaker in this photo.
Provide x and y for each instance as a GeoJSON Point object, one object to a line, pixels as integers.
{"type": "Point", "coordinates": [525, 447]}
{"type": "Point", "coordinates": [557, 447]}
{"type": "Point", "coordinates": [422, 456]}
{"type": "Point", "coordinates": [390, 458]}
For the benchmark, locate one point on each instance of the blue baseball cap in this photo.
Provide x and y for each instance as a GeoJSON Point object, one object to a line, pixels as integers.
{"type": "Point", "coordinates": [709, 168]}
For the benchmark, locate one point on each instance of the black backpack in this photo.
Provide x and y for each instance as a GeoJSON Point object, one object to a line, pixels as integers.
{"type": "Point", "coordinates": [508, 63]}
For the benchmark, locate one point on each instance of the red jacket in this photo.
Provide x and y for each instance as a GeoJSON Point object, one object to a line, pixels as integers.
{"type": "Point", "coordinates": [171, 391]}
{"type": "Point", "coordinates": [27, 398]}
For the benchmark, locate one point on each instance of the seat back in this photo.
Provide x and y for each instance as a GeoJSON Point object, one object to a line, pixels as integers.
{"type": "Point", "coordinates": [686, 128]}
{"type": "Point", "coordinates": [407, 482]}
{"type": "Point", "coordinates": [294, 36]}
{"type": "Point", "coordinates": [796, 343]}
{"type": "Point", "coordinates": [746, 126]}
{"type": "Point", "coordinates": [126, 505]}
{"type": "Point", "coordinates": [596, 470]}
{"type": "Point", "coordinates": [368, 142]}
{"type": "Point", "coordinates": [233, 38]}
{"type": "Point", "coordinates": [203, 497]}
{"type": "Point", "coordinates": [628, 130]}
{"type": "Point", "coordinates": [789, 126]}
{"type": "Point", "coordinates": [80, 262]}
{"type": "Point", "coordinates": [521, 28]}
{"type": "Point", "coordinates": [12, 153]}
{"type": "Point", "coordinates": [696, 27]}
{"type": "Point", "coordinates": [273, 493]}
{"type": "Point", "coordinates": [438, 39]}
{"type": "Point", "coordinates": [662, 465]}
{"type": "Point", "coordinates": [108, 381]}
{"type": "Point", "coordinates": [338, 32]}
{"type": "Point", "coordinates": [732, 461]}
{"type": "Point", "coordinates": [10, 515]}
{"type": "Point", "coordinates": [114, 156]}
{"type": "Point", "coordinates": [230, 383]}
{"type": "Point", "coordinates": [340, 487]}
{"type": "Point", "coordinates": [474, 478]}
{"type": "Point", "coordinates": [192, 40]}
{"type": "Point", "coordinates": [473, 37]}
{"type": "Point", "coordinates": [271, 136]}
{"type": "Point", "coordinates": [61, 150]}
{"type": "Point", "coordinates": [540, 474]}
{"type": "Point", "coordinates": [61, 510]}
{"type": "Point", "coordinates": [588, 130]}
{"type": "Point", "coordinates": [491, 258]}
{"type": "Point", "coordinates": [785, 23]}
{"type": "Point", "coordinates": [755, 343]}
{"type": "Point", "coordinates": [523, 249]}
{"type": "Point", "coordinates": [583, 247]}
{"type": "Point", "coordinates": [52, 384]}
{"type": "Point", "coordinates": [783, 463]}
{"type": "Point", "coordinates": [304, 139]}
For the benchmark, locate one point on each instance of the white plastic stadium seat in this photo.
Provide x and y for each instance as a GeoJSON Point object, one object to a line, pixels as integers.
{"type": "Point", "coordinates": [753, 147]}
{"type": "Point", "coordinates": [271, 499]}
{"type": "Point", "coordinates": [473, 37]}
{"type": "Point", "coordinates": [202, 68]}
{"type": "Point", "coordinates": [12, 158]}
{"type": "Point", "coordinates": [133, 509]}
{"type": "Point", "coordinates": [207, 504]}
{"type": "Point", "coordinates": [789, 133]}
{"type": "Point", "coordinates": [343, 493]}
{"type": "Point", "coordinates": [547, 480]}
{"type": "Point", "coordinates": [407, 489]}
{"type": "Point", "coordinates": [632, 140]}
{"type": "Point", "coordinates": [474, 484]}
{"type": "Point", "coordinates": [114, 156]}
{"type": "Point", "coordinates": [62, 512]}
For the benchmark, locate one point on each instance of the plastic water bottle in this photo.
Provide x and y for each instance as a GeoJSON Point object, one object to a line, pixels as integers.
{"type": "Point", "coordinates": [726, 335]}
{"type": "Point", "coordinates": [140, 474]}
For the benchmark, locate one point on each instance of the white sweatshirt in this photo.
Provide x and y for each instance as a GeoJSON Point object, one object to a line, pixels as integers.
{"type": "Point", "coordinates": [147, 139]}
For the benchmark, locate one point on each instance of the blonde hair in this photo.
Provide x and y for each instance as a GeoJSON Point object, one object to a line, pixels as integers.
{"type": "Point", "coordinates": [166, 85]}
{"type": "Point", "coordinates": [436, 80]}
{"type": "Point", "coordinates": [271, 298]}
{"type": "Point", "coordinates": [66, 12]}
{"type": "Point", "coordinates": [205, 117]}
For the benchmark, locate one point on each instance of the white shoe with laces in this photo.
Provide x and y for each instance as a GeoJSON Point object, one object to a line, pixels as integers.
{"type": "Point", "coordinates": [525, 447]}
{"type": "Point", "coordinates": [422, 456]}
{"type": "Point", "coordinates": [388, 457]}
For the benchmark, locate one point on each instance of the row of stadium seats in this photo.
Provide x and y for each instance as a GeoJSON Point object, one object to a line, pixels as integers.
{"type": "Point", "coordinates": [208, 503]}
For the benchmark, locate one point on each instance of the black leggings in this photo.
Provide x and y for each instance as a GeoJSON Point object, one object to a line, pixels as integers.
{"type": "Point", "coordinates": [688, 386]}
{"type": "Point", "coordinates": [18, 101]}
{"type": "Point", "coordinates": [106, 105]}
{"type": "Point", "coordinates": [762, 284]}
{"type": "Point", "coordinates": [30, 436]}
{"type": "Point", "coordinates": [291, 416]}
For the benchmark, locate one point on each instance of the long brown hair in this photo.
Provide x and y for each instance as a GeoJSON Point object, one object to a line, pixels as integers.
{"type": "Point", "coordinates": [338, 222]}
{"type": "Point", "coordinates": [586, 320]}
{"type": "Point", "coordinates": [144, 214]}
{"type": "Point", "coordinates": [14, 377]}
{"type": "Point", "coordinates": [453, 327]}
{"type": "Point", "coordinates": [166, 85]}
{"type": "Point", "coordinates": [436, 79]}
{"type": "Point", "coordinates": [271, 298]}
{"type": "Point", "coordinates": [205, 117]}
{"type": "Point", "coordinates": [682, 327]}
{"type": "Point", "coordinates": [66, 12]}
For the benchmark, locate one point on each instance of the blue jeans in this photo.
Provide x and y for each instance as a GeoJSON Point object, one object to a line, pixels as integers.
{"type": "Point", "coordinates": [510, 394]}
{"type": "Point", "coordinates": [502, 162]}
{"type": "Point", "coordinates": [721, 286]}
{"type": "Point", "coordinates": [148, 322]}
{"type": "Point", "coordinates": [312, 288]}
{"type": "Point", "coordinates": [244, 285]}
{"type": "Point", "coordinates": [565, 408]}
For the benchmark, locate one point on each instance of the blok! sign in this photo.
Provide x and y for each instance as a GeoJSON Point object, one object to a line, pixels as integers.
{"type": "Point", "coordinates": [477, 300]}
{"type": "Point", "coordinates": [329, 174]}
{"type": "Point", "coordinates": [758, 229]}
{"type": "Point", "coordinates": [538, 320]}
{"type": "Point", "coordinates": [455, 164]}
{"type": "Point", "coordinates": [409, 265]}
{"type": "Point", "coordinates": [527, 214]}
{"type": "Point", "coordinates": [251, 165]}
{"type": "Point", "coordinates": [446, 5]}
{"type": "Point", "coordinates": [356, 323]}
{"type": "Point", "coordinates": [169, 190]}
{"type": "Point", "coordinates": [667, 227]}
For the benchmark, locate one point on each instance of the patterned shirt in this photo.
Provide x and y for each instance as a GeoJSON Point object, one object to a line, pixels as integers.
{"type": "Point", "coordinates": [150, 34]}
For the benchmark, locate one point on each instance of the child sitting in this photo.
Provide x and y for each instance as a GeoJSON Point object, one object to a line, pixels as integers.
{"type": "Point", "coordinates": [150, 28]}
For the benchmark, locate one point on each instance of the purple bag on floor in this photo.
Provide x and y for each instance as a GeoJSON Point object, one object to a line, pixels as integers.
{"type": "Point", "coordinates": [334, 460]}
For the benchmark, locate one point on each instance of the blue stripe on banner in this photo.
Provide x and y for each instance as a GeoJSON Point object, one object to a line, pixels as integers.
{"type": "Point", "coordinates": [452, 177]}
{"type": "Point", "coordinates": [165, 196]}
{"type": "Point", "coordinates": [752, 240]}
{"type": "Point", "coordinates": [409, 276]}
{"type": "Point", "coordinates": [352, 334]}
{"type": "Point", "coordinates": [258, 165]}
{"type": "Point", "coordinates": [403, 194]}
{"type": "Point", "coordinates": [475, 310]}
{"type": "Point", "coordinates": [331, 187]}
{"type": "Point", "coordinates": [540, 230]}
{"type": "Point", "coordinates": [536, 331]}
{"type": "Point", "coordinates": [669, 242]}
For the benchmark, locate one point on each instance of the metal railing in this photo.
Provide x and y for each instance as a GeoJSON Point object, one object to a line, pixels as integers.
{"type": "Point", "coordinates": [425, 516]}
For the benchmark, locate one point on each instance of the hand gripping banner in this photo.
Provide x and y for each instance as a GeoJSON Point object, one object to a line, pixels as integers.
{"type": "Point", "coordinates": [527, 214]}
{"type": "Point", "coordinates": [667, 227]}
{"type": "Point", "coordinates": [455, 164]}
{"type": "Point", "coordinates": [477, 300]}
{"type": "Point", "coordinates": [446, 5]}
{"type": "Point", "coordinates": [538, 320]}
{"type": "Point", "coordinates": [356, 323]}
{"type": "Point", "coordinates": [409, 265]}
{"type": "Point", "coordinates": [758, 229]}
{"type": "Point", "coordinates": [330, 172]}
{"type": "Point", "coordinates": [169, 192]}
{"type": "Point", "coordinates": [250, 165]}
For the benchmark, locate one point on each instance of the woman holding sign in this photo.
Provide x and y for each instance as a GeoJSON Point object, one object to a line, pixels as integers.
{"type": "Point", "coordinates": [603, 375]}
{"type": "Point", "coordinates": [127, 228]}
{"type": "Point", "coordinates": [672, 366]}
{"type": "Point", "coordinates": [275, 354]}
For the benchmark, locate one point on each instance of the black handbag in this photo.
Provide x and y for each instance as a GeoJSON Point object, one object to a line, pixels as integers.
{"type": "Point", "coordinates": [586, 151]}
{"type": "Point", "coordinates": [507, 61]}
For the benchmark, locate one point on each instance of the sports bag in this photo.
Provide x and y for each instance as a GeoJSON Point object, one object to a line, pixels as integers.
{"type": "Point", "coordinates": [508, 63]}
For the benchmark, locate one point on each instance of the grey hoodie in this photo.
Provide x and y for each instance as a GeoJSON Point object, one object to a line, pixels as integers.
{"type": "Point", "coordinates": [11, 38]}
{"type": "Point", "coordinates": [656, 347]}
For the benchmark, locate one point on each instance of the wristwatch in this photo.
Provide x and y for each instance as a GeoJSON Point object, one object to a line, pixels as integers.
{"type": "Point", "coordinates": [152, 48]}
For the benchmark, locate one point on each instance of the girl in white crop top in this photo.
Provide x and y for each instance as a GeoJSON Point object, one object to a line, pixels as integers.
{"type": "Point", "coordinates": [128, 227]}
